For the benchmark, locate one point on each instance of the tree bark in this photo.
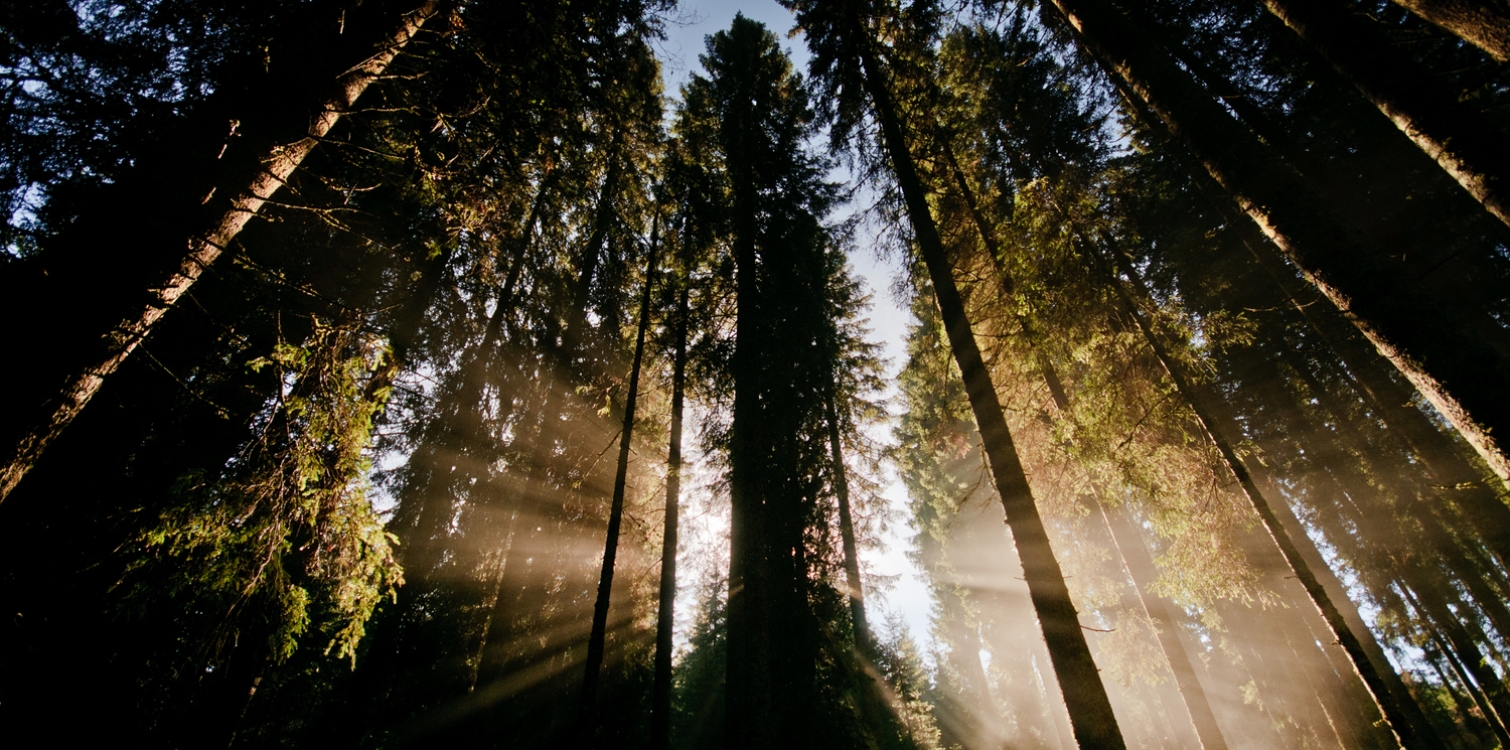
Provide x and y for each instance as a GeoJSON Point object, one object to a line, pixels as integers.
{"type": "Point", "coordinates": [1091, 716]}
{"type": "Point", "coordinates": [1464, 376]}
{"type": "Point", "coordinates": [203, 248]}
{"type": "Point", "coordinates": [616, 511]}
{"type": "Point", "coordinates": [1398, 719]}
{"type": "Point", "coordinates": [1465, 144]}
{"type": "Point", "coordinates": [1483, 23]}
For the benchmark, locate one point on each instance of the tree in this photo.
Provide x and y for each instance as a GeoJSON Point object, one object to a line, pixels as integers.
{"type": "Point", "coordinates": [1482, 23]}
{"type": "Point", "coordinates": [1451, 366]}
{"type": "Point", "coordinates": [835, 33]}
{"type": "Point", "coordinates": [1465, 145]}
{"type": "Point", "coordinates": [274, 167]}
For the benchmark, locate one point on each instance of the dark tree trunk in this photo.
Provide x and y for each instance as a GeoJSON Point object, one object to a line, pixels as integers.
{"type": "Point", "coordinates": [750, 721]}
{"type": "Point", "coordinates": [1399, 720]}
{"type": "Point", "coordinates": [1465, 656]}
{"type": "Point", "coordinates": [856, 594]}
{"type": "Point", "coordinates": [1483, 23]}
{"type": "Point", "coordinates": [1201, 716]}
{"type": "Point", "coordinates": [204, 247]}
{"type": "Point", "coordinates": [616, 510]}
{"type": "Point", "coordinates": [592, 254]}
{"type": "Point", "coordinates": [1463, 142]}
{"type": "Point", "coordinates": [665, 620]}
{"type": "Point", "coordinates": [1094, 723]}
{"type": "Point", "coordinates": [1462, 375]}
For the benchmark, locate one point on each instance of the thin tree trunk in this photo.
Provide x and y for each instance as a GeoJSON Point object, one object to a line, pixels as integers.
{"type": "Point", "coordinates": [1391, 402]}
{"type": "Point", "coordinates": [616, 511]}
{"type": "Point", "coordinates": [421, 553]}
{"type": "Point", "coordinates": [1094, 723]}
{"type": "Point", "coordinates": [1461, 140]}
{"type": "Point", "coordinates": [1476, 723]}
{"type": "Point", "coordinates": [1130, 545]}
{"type": "Point", "coordinates": [855, 594]}
{"type": "Point", "coordinates": [1398, 719]}
{"type": "Point", "coordinates": [665, 620]}
{"type": "Point", "coordinates": [592, 253]}
{"type": "Point", "coordinates": [1483, 23]}
{"type": "Point", "coordinates": [277, 165]}
{"type": "Point", "coordinates": [1465, 656]}
{"type": "Point", "coordinates": [1464, 376]}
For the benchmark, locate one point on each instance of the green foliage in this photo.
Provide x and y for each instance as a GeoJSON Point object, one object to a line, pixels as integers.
{"type": "Point", "coordinates": [284, 540]}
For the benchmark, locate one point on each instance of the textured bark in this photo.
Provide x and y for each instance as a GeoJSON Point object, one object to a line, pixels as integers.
{"type": "Point", "coordinates": [203, 249]}
{"type": "Point", "coordinates": [1438, 350]}
{"type": "Point", "coordinates": [1461, 141]}
{"type": "Point", "coordinates": [665, 619]}
{"type": "Point", "coordinates": [1094, 723]}
{"type": "Point", "coordinates": [1399, 720]}
{"type": "Point", "coordinates": [1483, 23]}
{"type": "Point", "coordinates": [616, 510]}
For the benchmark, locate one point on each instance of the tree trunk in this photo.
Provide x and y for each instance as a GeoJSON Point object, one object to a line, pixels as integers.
{"type": "Point", "coordinates": [1465, 656]}
{"type": "Point", "coordinates": [855, 594]}
{"type": "Point", "coordinates": [616, 510]}
{"type": "Point", "coordinates": [1398, 719]}
{"type": "Point", "coordinates": [748, 687]}
{"type": "Point", "coordinates": [277, 165]}
{"type": "Point", "coordinates": [665, 620]}
{"type": "Point", "coordinates": [1094, 723]}
{"type": "Point", "coordinates": [1130, 545]}
{"type": "Point", "coordinates": [1123, 536]}
{"type": "Point", "coordinates": [1462, 375]}
{"type": "Point", "coordinates": [1461, 140]}
{"type": "Point", "coordinates": [1483, 23]}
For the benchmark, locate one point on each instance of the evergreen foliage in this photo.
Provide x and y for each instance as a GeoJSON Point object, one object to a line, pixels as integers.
{"type": "Point", "coordinates": [351, 488]}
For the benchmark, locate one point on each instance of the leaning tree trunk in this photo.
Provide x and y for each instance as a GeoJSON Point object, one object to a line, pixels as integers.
{"type": "Point", "coordinates": [277, 165]}
{"type": "Point", "coordinates": [1094, 723]}
{"type": "Point", "coordinates": [1461, 140]}
{"type": "Point", "coordinates": [1400, 721]}
{"type": "Point", "coordinates": [1141, 568]}
{"type": "Point", "coordinates": [1483, 23]}
{"type": "Point", "coordinates": [665, 620]}
{"type": "Point", "coordinates": [1202, 720]}
{"type": "Point", "coordinates": [616, 511]}
{"type": "Point", "coordinates": [1462, 375]}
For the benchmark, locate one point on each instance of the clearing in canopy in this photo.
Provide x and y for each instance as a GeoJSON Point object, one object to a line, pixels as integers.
{"type": "Point", "coordinates": [841, 374]}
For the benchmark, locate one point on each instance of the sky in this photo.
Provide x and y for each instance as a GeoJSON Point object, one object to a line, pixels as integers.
{"type": "Point", "coordinates": [685, 34]}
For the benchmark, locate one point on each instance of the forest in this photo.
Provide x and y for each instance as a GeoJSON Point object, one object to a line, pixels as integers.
{"type": "Point", "coordinates": [429, 373]}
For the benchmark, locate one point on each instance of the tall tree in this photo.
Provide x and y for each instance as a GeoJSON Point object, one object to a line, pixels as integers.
{"type": "Point", "coordinates": [1459, 139]}
{"type": "Point", "coordinates": [1458, 371]}
{"type": "Point", "coordinates": [847, 62]}
{"type": "Point", "coordinates": [42, 425]}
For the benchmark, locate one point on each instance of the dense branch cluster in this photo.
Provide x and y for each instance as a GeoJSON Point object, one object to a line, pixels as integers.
{"type": "Point", "coordinates": [396, 372]}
